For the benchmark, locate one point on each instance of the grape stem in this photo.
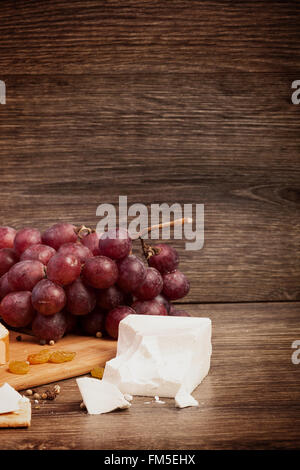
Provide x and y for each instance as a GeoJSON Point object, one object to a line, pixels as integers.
{"type": "Point", "coordinates": [149, 250]}
{"type": "Point", "coordinates": [184, 220]}
{"type": "Point", "coordinates": [82, 231]}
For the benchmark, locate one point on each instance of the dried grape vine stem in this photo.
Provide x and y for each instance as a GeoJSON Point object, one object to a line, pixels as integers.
{"type": "Point", "coordinates": [149, 250]}
{"type": "Point", "coordinates": [82, 231]}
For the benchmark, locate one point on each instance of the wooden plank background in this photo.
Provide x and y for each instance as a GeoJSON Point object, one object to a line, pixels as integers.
{"type": "Point", "coordinates": [95, 36]}
{"type": "Point", "coordinates": [188, 103]}
{"type": "Point", "coordinates": [184, 101]}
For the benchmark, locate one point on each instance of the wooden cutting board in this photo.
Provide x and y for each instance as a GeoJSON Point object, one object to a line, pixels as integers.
{"type": "Point", "coordinates": [90, 352]}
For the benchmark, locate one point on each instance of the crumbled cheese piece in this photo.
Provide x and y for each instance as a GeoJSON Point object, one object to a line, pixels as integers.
{"type": "Point", "coordinates": [100, 396]}
{"type": "Point", "coordinates": [183, 400]}
{"type": "Point", "coordinates": [157, 400]}
{"type": "Point", "coordinates": [9, 399]}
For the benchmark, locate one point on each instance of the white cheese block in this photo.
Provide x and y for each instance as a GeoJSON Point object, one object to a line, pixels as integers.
{"type": "Point", "coordinates": [99, 396]}
{"type": "Point", "coordinates": [161, 355]}
{"type": "Point", "coordinates": [4, 344]}
{"type": "Point", "coordinates": [9, 399]}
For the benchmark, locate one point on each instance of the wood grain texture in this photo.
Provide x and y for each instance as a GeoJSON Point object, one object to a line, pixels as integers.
{"type": "Point", "coordinates": [183, 101]}
{"type": "Point", "coordinates": [230, 141]}
{"type": "Point", "coordinates": [249, 400]}
{"type": "Point", "coordinates": [90, 352]}
{"type": "Point", "coordinates": [186, 35]}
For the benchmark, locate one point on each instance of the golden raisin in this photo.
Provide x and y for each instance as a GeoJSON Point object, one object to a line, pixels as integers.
{"type": "Point", "coordinates": [61, 356]}
{"type": "Point", "coordinates": [18, 367]}
{"type": "Point", "coordinates": [97, 372]}
{"type": "Point", "coordinates": [39, 358]}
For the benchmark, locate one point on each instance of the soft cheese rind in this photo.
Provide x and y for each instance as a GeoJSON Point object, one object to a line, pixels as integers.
{"type": "Point", "coordinates": [160, 355]}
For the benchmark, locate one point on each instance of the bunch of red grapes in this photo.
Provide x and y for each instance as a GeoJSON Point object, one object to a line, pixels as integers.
{"type": "Point", "coordinates": [63, 281]}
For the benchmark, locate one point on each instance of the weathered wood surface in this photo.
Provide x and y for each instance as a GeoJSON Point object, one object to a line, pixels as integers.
{"type": "Point", "coordinates": [141, 36]}
{"type": "Point", "coordinates": [249, 400]}
{"type": "Point", "coordinates": [187, 102]}
{"type": "Point", "coordinates": [229, 141]}
{"type": "Point", "coordinates": [184, 101]}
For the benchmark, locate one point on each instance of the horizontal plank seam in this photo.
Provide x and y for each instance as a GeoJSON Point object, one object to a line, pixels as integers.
{"type": "Point", "coordinates": [225, 71]}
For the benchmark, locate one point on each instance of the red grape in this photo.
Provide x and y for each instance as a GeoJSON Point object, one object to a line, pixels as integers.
{"type": "Point", "coordinates": [7, 237]}
{"type": "Point", "coordinates": [48, 298]}
{"type": "Point", "coordinates": [151, 286]}
{"type": "Point", "coordinates": [149, 307]}
{"type": "Point", "coordinates": [174, 312]}
{"type": "Point", "coordinates": [166, 260]}
{"type": "Point", "coordinates": [132, 273]}
{"type": "Point", "coordinates": [91, 241]}
{"type": "Point", "coordinates": [128, 299]}
{"type": "Point", "coordinates": [115, 244]}
{"type": "Point", "coordinates": [110, 298]}
{"type": "Point", "coordinates": [113, 319]}
{"type": "Point", "coordinates": [77, 249]}
{"type": "Point", "coordinates": [63, 269]}
{"type": "Point", "coordinates": [5, 287]}
{"type": "Point", "coordinates": [124, 284]}
{"type": "Point", "coordinates": [81, 300]}
{"type": "Point", "coordinates": [176, 285]}
{"type": "Point", "coordinates": [59, 234]}
{"type": "Point", "coordinates": [38, 252]}
{"type": "Point", "coordinates": [24, 275]}
{"type": "Point", "coordinates": [100, 272]}
{"type": "Point", "coordinates": [25, 238]}
{"type": "Point", "coordinates": [8, 258]}
{"type": "Point", "coordinates": [93, 323]}
{"type": "Point", "coordinates": [160, 298]}
{"type": "Point", "coordinates": [49, 328]}
{"type": "Point", "coordinates": [16, 309]}
{"type": "Point", "coordinates": [72, 322]}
